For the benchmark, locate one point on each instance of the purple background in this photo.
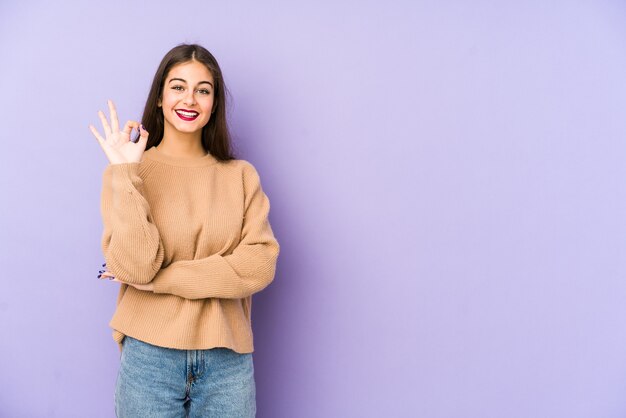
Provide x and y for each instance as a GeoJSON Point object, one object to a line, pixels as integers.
{"type": "Point", "coordinates": [446, 181]}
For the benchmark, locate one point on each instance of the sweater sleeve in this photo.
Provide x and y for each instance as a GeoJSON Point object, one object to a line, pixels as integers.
{"type": "Point", "coordinates": [248, 269]}
{"type": "Point", "coordinates": [130, 241]}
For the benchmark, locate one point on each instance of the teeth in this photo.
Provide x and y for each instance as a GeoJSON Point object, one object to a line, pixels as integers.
{"type": "Point", "coordinates": [188, 114]}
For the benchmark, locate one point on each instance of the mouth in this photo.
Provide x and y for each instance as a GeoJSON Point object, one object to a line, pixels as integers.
{"type": "Point", "coordinates": [186, 115]}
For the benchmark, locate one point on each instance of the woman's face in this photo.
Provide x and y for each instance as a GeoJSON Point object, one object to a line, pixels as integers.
{"type": "Point", "coordinates": [187, 99]}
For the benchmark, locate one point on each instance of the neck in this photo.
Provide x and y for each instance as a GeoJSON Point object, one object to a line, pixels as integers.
{"type": "Point", "coordinates": [182, 144]}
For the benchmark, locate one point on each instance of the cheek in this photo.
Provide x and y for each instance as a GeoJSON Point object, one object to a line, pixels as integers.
{"type": "Point", "coordinates": [208, 106]}
{"type": "Point", "coordinates": [168, 100]}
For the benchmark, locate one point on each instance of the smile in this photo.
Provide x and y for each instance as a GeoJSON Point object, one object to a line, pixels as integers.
{"type": "Point", "coordinates": [187, 115]}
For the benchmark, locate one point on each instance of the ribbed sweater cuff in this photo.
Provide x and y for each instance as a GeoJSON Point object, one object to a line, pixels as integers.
{"type": "Point", "coordinates": [160, 283]}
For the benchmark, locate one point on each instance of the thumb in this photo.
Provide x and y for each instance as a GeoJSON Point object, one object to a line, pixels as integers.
{"type": "Point", "coordinates": [143, 135]}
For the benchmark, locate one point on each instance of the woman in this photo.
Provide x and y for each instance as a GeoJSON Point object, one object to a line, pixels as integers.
{"type": "Point", "coordinates": [187, 235]}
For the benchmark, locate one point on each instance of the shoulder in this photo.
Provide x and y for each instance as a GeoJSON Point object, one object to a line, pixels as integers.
{"type": "Point", "coordinates": [244, 167]}
{"type": "Point", "coordinates": [246, 175]}
{"type": "Point", "coordinates": [241, 164]}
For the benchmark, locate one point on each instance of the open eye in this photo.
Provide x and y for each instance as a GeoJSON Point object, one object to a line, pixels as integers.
{"type": "Point", "coordinates": [177, 88]}
{"type": "Point", "coordinates": [204, 91]}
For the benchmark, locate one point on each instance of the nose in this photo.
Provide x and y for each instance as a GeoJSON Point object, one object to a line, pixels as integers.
{"type": "Point", "coordinates": [190, 99]}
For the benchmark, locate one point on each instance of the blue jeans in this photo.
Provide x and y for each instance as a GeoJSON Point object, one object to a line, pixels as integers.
{"type": "Point", "coordinates": [164, 382]}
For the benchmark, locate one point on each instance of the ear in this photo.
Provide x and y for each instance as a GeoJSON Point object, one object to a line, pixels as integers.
{"type": "Point", "coordinates": [159, 103]}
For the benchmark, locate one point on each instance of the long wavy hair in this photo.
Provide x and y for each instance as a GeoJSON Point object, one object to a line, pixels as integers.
{"type": "Point", "coordinates": [216, 137]}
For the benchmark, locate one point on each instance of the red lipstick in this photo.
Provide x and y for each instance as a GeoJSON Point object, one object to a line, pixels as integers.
{"type": "Point", "coordinates": [187, 115]}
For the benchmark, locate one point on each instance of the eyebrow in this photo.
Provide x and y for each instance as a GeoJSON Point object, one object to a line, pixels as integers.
{"type": "Point", "coordinates": [184, 81]}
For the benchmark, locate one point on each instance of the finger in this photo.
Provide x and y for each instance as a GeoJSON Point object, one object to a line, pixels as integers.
{"type": "Point", "coordinates": [115, 124]}
{"type": "Point", "coordinates": [128, 128]}
{"type": "Point", "coordinates": [135, 138]}
{"type": "Point", "coordinates": [105, 124]}
{"type": "Point", "coordinates": [95, 133]}
{"type": "Point", "coordinates": [143, 135]}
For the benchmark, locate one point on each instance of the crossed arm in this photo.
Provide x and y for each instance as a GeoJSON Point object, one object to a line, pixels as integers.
{"type": "Point", "coordinates": [134, 251]}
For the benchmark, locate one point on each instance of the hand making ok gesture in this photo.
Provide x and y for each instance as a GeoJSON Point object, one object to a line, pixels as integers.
{"type": "Point", "coordinates": [117, 146]}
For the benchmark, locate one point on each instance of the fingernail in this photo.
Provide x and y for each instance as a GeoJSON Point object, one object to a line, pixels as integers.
{"type": "Point", "coordinates": [142, 127]}
{"type": "Point", "coordinates": [111, 278]}
{"type": "Point", "coordinates": [104, 264]}
{"type": "Point", "coordinates": [101, 271]}
{"type": "Point", "coordinates": [99, 275]}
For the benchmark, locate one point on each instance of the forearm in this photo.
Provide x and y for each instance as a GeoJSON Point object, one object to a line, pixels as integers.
{"type": "Point", "coordinates": [131, 242]}
{"type": "Point", "coordinates": [241, 274]}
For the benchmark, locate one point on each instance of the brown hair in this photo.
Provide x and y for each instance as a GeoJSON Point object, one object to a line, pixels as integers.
{"type": "Point", "coordinates": [216, 138]}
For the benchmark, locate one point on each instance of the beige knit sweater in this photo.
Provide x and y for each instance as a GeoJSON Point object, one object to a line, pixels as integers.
{"type": "Point", "coordinates": [198, 229]}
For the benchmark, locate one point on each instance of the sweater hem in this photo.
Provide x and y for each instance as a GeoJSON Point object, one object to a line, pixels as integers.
{"type": "Point", "coordinates": [119, 335]}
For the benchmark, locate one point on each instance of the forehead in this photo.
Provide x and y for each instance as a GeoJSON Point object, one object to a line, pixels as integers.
{"type": "Point", "coordinates": [191, 71]}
